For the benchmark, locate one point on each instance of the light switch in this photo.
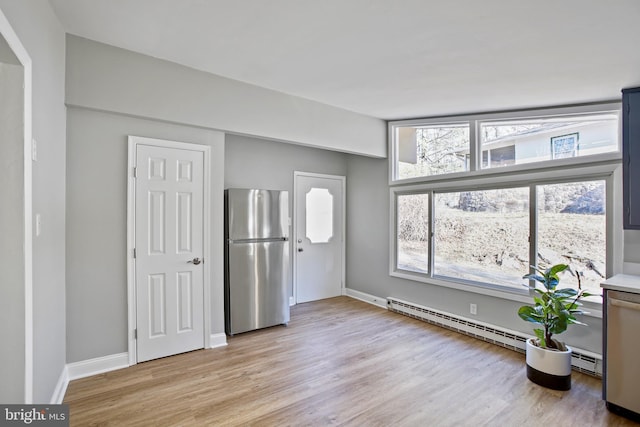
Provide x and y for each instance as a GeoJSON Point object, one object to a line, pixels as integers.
{"type": "Point", "coordinates": [38, 224]}
{"type": "Point", "coordinates": [34, 150]}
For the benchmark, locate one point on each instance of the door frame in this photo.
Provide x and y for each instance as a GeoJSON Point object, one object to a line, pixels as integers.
{"type": "Point", "coordinates": [343, 181]}
{"type": "Point", "coordinates": [12, 39]}
{"type": "Point", "coordinates": [133, 142]}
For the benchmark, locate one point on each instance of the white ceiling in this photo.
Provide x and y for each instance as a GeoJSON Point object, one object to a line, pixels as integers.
{"type": "Point", "coordinates": [389, 59]}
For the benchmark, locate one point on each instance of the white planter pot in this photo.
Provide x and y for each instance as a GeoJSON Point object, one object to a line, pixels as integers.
{"type": "Point", "coordinates": [549, 368]}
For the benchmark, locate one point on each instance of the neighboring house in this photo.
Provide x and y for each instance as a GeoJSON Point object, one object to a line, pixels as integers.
{"type": "Point", "coordinates": [550, 141]}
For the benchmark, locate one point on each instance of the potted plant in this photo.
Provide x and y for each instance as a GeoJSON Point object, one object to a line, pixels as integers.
{"type": "Point", "coordinates": [549, 360]}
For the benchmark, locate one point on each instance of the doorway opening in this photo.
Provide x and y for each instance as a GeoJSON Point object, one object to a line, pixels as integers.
{"type": "Point", "coordinates": [15, 218]}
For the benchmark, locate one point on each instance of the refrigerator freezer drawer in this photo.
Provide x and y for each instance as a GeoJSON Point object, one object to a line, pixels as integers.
{"type": "Point", "coordinates": [256, 289]}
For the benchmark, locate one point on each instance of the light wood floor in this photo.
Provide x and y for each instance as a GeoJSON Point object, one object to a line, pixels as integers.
{"type": "Point", "coordinates": [339, 362]}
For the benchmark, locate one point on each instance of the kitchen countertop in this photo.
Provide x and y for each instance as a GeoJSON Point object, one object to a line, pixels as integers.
{"type": "Point", "coordinates": [623, 283]}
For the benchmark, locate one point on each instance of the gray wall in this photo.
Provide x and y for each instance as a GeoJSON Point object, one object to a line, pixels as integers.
{"type": "Point", "coordinates": [368, 261]}
{"type": "Point", "coordinates": [12, 301]}
{"type": "Point", "coordinates": [258, 163]}
{"type": "Point", "coordinates": [632, 246]}
{"type": "Point", "coordinates": [107, 78]}
{"type": "Point", "coordinates": [41, 35]}
{"type": "Point", "coordinates": [97, 226]}
{"type": "Point", "coordinates": [6, 53]}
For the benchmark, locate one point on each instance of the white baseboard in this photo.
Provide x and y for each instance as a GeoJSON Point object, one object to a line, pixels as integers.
{"type": "Point", "coordinates": [217, 340]}
{"type": "Point", "coordinates": [99, 365]}
{"type": "Point", "coordinates": [61, 387]}
{"type": "Point", "coordinates": [371, 299]}
{"type": "Point", "coordinates": [292, 301]}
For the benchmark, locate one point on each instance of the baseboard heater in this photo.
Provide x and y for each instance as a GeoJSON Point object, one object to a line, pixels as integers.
{"type": "Point", "coordinates": [582, 361]}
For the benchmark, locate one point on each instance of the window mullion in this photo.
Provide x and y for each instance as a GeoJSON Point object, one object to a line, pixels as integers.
{"type": "Point", "coordinates": [431, 232]}
{"type": "Point", "coordinates": [533, 230]}
{"type": "Point", "coordinates": [474, 146]}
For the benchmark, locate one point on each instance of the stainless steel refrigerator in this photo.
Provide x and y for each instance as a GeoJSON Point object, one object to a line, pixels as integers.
{"type": "Point", "coordinates": [256, 259]}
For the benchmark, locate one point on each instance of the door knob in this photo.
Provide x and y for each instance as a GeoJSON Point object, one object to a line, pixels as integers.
{"type": "Point", "coordinates": [300, 249]}
{"type": "Point", "coordinates": [195, 261]}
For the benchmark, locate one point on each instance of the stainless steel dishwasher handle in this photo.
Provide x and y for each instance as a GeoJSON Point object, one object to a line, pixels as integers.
{"type": "Point", "coordinates": [625, 304]}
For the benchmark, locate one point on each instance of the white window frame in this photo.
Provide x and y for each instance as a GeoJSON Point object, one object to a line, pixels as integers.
{"type": "Point", "coordinates": [475, 120]}
{"type": "Point", "coordinates": [605, 167]}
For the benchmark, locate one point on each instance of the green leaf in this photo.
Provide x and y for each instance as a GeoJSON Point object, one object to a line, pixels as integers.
{"type": "Point", "coordinates": [530, 314]}
{"type": "Point", "coordinates": [535, 277]}
{"type": "Point", "coordinates": [566, 292]}
{"type": "Point", "coordinates": [558, 268]}
{"type": "Point", "coordinates": [540, 335]}
{"type": "Point", "coordinates": [538, 301]}
{"type": "Point", "coordinates": [559, 325]}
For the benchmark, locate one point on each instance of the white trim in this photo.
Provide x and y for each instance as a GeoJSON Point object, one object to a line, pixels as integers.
{"type": "Point", "coordinates": [217, 340]}
{"type": "Point", "coordinates": [61, 387]}
{"type": "Point", "coordinates": [368, 298]}
{"type": "Point", "coordinates": [133, 141]}
{"type": "Point", "coordinates": [23, 56]}
{"type": "Point", "coordinates": [610, 172]}
{"type": "Point", "coordinates": [131, 242]}
{"type": "Point", "coordinates": [343, 181]}
{"type": "Point", "coordinates": [99, 365]}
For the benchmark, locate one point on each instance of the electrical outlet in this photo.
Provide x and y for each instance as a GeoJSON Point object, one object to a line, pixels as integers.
{"type": "Point", "coordinates": [473, 308]}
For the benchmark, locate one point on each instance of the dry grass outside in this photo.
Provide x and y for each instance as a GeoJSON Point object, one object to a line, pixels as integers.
{"type": "Point", "coordinates": [494, 247]}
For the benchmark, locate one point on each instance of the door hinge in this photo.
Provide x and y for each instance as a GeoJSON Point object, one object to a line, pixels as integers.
{"type": "Point", "coordinates": [135, 172]}
{"type": "Point", "coordinates": [134, 253]}
{"type": "Point", "coordinates": [135, 334]}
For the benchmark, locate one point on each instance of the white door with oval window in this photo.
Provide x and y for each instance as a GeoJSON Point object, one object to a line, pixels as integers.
{"type": "Point", "coordinates": [319, 236]}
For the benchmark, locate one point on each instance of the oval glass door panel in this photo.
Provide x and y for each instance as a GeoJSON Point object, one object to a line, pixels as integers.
{"type": "Point", "coordinates": [319, 215]}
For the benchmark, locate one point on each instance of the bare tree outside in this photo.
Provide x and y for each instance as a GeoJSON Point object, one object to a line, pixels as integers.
{"type": "Point", "coordinates": [439, 150]}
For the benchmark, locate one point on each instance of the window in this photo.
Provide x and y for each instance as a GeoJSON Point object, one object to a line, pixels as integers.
{"type": "Point", "coordinates": [485, 236]}
{"type": "Point", "coordinates": [413, 232]}
{"type": "Point", "coordinates": [482, 235]}
{"type": "Point", "coordinates": [572, 230]}
{"type": "Point", "coordinates": [503, 156]}
{"type": "Point", "coordinates": [508, 201]}
{"type": "Point", "coordinates": [432, 150]}
{"type": "Point", "coordinates": [429, 149]}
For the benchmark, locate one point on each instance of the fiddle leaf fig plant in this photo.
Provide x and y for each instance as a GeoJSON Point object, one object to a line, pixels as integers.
{"type": "Point", "coordinates": [554, 309]}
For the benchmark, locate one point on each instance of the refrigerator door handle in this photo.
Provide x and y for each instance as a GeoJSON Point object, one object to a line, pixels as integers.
{"type": "Point", "coordinates": [265, 240]}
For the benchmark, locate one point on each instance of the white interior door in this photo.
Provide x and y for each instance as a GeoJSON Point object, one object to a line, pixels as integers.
{"type": "Point", "coordinates": [319, 240]}
{"type": "Point", "coordinates": [169, 250]}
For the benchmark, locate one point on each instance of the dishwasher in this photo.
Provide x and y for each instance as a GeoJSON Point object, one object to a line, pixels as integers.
{"type": "Point", "coordinates": [621, 387]}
